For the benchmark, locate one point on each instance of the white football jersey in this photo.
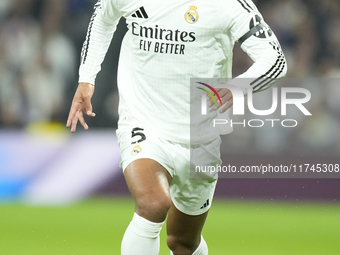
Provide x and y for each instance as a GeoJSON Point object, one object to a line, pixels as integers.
{"type": "Point", "coordinates": [169, 42]}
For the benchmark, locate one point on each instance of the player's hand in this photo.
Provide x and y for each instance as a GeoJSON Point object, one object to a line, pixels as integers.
{"type": "Point", "coordinates": [226, 98]}
{"type": "Point", "coordinates": [81, 103]}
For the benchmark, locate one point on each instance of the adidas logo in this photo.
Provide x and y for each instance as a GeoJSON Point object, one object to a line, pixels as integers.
{"type": "Point", "coordinates": [140, 13]}
{"type": "Point", "coordinates": [205, 204]}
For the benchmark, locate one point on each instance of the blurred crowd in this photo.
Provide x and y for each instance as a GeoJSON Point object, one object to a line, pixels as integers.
{"type": "Point", "coordinates": [309, 32]}
{"type": "Point", "coordinates": [37, 61]}
{"type": "Point", "coordinates": [40, 44]}
{"type": "Point", "coordinates": [41, 40]}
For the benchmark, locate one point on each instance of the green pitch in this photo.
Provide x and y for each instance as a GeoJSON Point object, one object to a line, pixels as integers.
{"type": "Point", "coordinates": [95, 227]}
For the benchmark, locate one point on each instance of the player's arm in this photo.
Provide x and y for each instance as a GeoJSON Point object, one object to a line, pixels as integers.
{"type": "Point", "coordinates": [260, 43]}
{"type": "Point", "coordinates": [99, 35]}
{"type": "Point", "coordinates": [269, 61]}
{"type": "Point", "coordinates": [269, 66]}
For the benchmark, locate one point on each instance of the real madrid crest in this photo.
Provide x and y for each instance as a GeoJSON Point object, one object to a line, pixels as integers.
{"type": "Point", "coordinates": [191, 15]}
{"type": "Point", "coordinates": [136, 150]}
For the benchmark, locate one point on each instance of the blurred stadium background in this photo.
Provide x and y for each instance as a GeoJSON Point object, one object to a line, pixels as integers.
{"type": "Point", "coordinates": [65, 194]}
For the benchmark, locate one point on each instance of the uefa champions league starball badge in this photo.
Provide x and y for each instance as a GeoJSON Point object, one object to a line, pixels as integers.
{"type": "Point", "coordinates": [191, 15]}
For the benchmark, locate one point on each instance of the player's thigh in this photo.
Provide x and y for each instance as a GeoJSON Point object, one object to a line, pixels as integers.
{"type": "Point", "coordinates": [184, 231]}
{"type": "Point", "coordinates": [148, 182]}
{"type": "Point", "coordinates": [147, 169]}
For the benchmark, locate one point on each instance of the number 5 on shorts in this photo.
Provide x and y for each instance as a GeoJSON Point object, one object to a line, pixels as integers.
{"type": "Point", "coordinates": [135, 132]}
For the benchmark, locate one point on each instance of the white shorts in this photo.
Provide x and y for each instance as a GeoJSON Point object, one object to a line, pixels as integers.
{"type": "Point", "coordinates": [192, 196]}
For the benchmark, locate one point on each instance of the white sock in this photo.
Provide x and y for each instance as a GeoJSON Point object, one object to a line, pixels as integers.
{"type": "Point", "coordinates": [141, 237]}
{"type": "Point", "coordinates": [202, 248]}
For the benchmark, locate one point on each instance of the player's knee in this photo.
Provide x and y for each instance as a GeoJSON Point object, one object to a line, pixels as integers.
{"type": "Point", "coordinates": [182, 246]}
{"type": "Point", "coordinates": [153, 209]}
